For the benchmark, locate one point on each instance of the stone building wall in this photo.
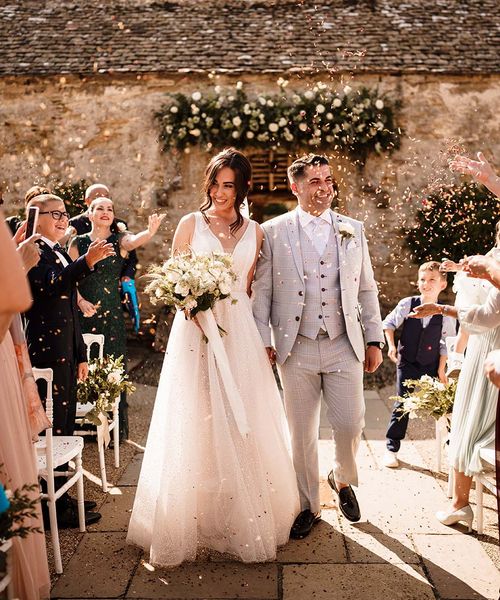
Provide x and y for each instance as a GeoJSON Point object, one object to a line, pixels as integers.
{"type": "Point", "coordinates": [102, 129]}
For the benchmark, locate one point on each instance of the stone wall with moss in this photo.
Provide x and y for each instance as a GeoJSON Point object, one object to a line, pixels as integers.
{"type": "Point", "coordinates": [102, 129]}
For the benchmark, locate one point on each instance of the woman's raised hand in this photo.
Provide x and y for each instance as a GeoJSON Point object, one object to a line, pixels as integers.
{"type": "Point", "coordinates": [480, 169]}
{"type": "Point", "coordinates": [154, 222]}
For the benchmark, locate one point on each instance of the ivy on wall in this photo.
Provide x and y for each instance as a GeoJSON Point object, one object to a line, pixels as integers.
{"type": "Point", "coordinates": [358, 121]}
{"type": "Point", "coordinates": [453, 222]}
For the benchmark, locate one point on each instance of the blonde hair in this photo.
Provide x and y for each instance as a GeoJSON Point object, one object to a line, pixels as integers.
{"type": "Point", "coordinates": [433, 265]}
{"type": "Point", "coordinates": [44, 200]}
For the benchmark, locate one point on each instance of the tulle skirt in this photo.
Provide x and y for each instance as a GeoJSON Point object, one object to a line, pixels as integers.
{"type": "Point", "coordinates": [204, 485]}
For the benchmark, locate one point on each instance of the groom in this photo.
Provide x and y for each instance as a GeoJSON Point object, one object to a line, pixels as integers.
{"type": "Point", "coordinates": [314, 285]}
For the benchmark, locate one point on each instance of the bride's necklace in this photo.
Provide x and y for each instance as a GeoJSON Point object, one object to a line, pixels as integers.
{"type": "Point", "coordinates": [223, 232]}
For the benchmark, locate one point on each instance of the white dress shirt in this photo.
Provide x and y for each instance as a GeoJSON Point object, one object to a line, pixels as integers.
{"type": "Point", "coordinates": [51, 244]}
{"type": "Point", "coordinates": [317, 229]}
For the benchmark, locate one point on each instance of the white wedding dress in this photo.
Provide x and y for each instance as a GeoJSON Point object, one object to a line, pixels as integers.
{"type": "Point", "coordinates": [204, 485]}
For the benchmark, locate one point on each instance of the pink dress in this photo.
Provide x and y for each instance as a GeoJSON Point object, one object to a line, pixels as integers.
{"type": "Point", "coordinates": [30, 570]}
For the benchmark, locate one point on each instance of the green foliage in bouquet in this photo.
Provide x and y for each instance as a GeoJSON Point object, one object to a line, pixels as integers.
{"type": "Point", "coordinates": [453, 222]}
{"type": "Point", "coordinates": [22, 506]}
{"type": "Point", "coordinates": [430, 398]}
{"type": "Point", "coordinates": [358, 121]}
{"type": "Point", "coordinates": [106, 380]}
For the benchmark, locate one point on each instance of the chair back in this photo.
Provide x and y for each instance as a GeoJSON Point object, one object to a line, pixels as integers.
{"type": "Point", "coordinates": [94, 338]}
{"type": "Point", "coordinates": [48, 376]}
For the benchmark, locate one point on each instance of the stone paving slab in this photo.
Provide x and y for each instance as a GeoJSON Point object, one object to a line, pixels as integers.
{"type": "Point", "coordinates": [100, 568]}
{"type": "Point", "coordinates": [355, 582]}
{"type": "Point", "coordinates": [325, 544]}
{"type": "Point", "coordinates": [459, 567]}
{"type": "Point", "coordinates": [131, 474]}
{"type": "Point", "coordinates": [203, 580]}
{"type": "Point", "coordinates": [116, 510]}
{"type": "Point", "coordinates": [364, 547]}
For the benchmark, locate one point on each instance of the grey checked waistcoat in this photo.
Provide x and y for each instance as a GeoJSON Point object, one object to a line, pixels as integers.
{"type": "Point", "coordinates": [322, 299]}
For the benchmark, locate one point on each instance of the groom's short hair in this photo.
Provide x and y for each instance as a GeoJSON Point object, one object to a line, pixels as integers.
{"type": "Point", "coordinates": [298, 168]}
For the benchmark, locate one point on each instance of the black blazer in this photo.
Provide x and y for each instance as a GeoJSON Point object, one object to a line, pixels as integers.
{"type": "Point", "coordinates": [83, 225]}
{"type": "Point", "coordinates": [52, 325]}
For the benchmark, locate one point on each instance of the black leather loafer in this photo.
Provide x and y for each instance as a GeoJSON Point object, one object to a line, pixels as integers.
{"type": "Point", "coordinates": [303, 524]}
{"type": "Point", "coordinates": [88, 504]}
{"type": "Point", "coordinates": [348, 503]}
{"type": "Point", "coordinates": [68, 519]}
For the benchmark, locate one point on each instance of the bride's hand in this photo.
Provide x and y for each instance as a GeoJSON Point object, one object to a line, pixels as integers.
{"type": "Point", "coordinates": [187, 314]}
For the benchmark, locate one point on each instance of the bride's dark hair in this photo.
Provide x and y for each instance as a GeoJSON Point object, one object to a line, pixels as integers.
{"type": "Point", "coordinates": [239, 163]}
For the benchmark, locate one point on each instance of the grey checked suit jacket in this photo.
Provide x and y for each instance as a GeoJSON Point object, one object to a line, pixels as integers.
{"type": "Point", "coordinates": [278, 288]}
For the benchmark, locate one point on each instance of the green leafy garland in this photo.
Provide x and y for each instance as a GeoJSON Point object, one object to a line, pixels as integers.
{"type": "Point", "coordinates": [358, 121]}
{"type": "Point", "coordinates": [452, 222]}
{"type": "Point", "coordinates": [105, 381]}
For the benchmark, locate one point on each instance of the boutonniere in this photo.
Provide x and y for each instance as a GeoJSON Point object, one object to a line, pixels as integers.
{"type": "Point", "coordinates": [346, 231]}
{"type": "Point", "coordinates": [121, 227]}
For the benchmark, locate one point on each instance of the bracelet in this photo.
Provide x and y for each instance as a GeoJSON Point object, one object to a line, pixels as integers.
{"type": "Point", "coordinates": [443, 309]}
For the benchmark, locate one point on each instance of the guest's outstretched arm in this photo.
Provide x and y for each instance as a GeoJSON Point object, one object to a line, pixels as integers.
{"type": "Point", "coordinates": [131, 241]}
{"type": "Point", "coordinates": [480, 169]}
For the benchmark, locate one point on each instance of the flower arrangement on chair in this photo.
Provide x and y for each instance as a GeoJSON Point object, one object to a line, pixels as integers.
{"type": "Point", "coordinates": [429, 398]}
{"type": "Point", "coordinates": [105, 382]}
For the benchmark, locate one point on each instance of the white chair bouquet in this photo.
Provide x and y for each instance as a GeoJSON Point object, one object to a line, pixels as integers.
{"type": "Point", "coordinates": [192, 282]}
{"type": "Point", "coordinates": [105, 382]}
{"type": "Point", "coordinates": [429, 398]}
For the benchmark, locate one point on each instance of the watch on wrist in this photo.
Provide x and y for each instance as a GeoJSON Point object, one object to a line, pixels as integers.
{"type": "Point", "coordinates": [379, 345]}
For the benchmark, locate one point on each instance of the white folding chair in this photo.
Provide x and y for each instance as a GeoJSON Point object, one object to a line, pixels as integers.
{"type": "Point", "coordinates": [52, 451]}
{"type": "Point", "coordinates": [113, 423]}
{"type": "Point", "coordinates": [6, 581]}
{"type": "Point", "coordinates": [487, 455]}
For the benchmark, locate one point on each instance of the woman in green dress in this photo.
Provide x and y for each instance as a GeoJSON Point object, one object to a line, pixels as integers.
{"type": "Point", "coordinates": [102, 288]}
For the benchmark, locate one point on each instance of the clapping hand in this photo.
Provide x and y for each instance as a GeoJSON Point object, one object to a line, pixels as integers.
{"type": "Point", "coordinates": [479, 169]}
{"type": "Point", "coordinates": [88, 309]}
{"type": "Point", "coordinates": [478, 266]}
{"type": "Point", "coordinates": [448, 266]}
{"type": "Point", "coordinates": [154, 222]}
{"type": "Point", "coordinates": [98, 250]}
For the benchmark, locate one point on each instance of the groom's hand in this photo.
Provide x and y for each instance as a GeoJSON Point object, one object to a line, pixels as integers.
{"type": "Point", "coordinates": [373, 359]}
{"type": "Point", "coordinates": [271, 354]}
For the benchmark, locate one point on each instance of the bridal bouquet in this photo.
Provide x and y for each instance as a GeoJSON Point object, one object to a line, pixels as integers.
{"type": "Point", "coordinates": [105, 381]}
{"type": "Point", "coordinates": [430, 398]}
{"type": "Point", "coordinates": [192, 282]}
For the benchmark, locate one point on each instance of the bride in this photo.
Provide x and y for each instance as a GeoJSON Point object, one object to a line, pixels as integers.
{"type": "Point", "coordinates": [204, 485]}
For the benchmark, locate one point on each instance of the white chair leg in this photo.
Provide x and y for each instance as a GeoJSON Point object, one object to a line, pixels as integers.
{"type": "Point", "coordinates": [439, 442]}
{"type": "Point", "coordinates": [102, 463]}
{"type": "Point", "coordinates": [54, 534]}
{"type": "Point", "coordinates": [479, 505]}
{"type": "Point", "coordinates": [450, 483]}
{"type": "Point", "coordinates": [80, 492]}
{"type": "Point", "coordinates": [116, 436]}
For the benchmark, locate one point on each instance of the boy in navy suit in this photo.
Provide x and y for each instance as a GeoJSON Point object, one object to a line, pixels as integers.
{"type": "Point", "coordinates": [52, 326]}
{"type": "Point", "coordinates": [421, 349]}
